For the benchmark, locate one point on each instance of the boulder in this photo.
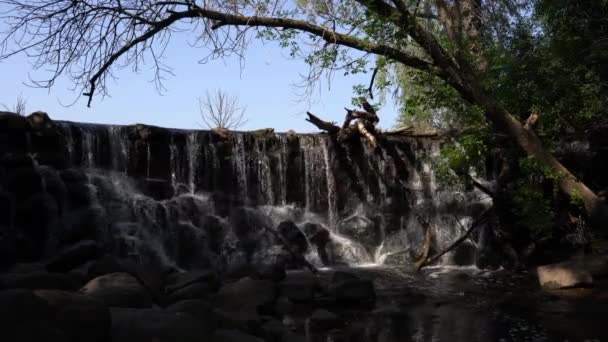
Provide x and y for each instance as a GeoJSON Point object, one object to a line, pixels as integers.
{"type": "Point", "coordinates": [146, 325]}
{"type": "Point", "coordinates": [37, 280]}
{"type": "Point", "coordinates": [104, 265]}
{"type": "Point", "coordinates": [316, 234]}
{"type": "Point", "coordinates": [179, 280]}
{"type": "Point", "coordinates": [349, 289]}
{"type": "Point", "coordinates": [7, 208]}
{"type": "Point", "coordinates": [293, 236]}
{"type": "Point", "coordinates": [198, 308]}
{"type": "Point", "coordinates": [596, 265]}
{"type": "Point", "coordinates": [36, 216]}
{"type": "Point", "coordinates": [234, 336]}
{"type": "Point", "coordinates": [362, 229]}
{"type": "Point", "coordinates": [150, 275]}
{"type": "Point", "coordinates": [79, 317]}
{"type": "Point", "coordinates": [73, 256]}
{"type": "Point", "coordinates": [322, 320]}
{"type": "Point", "coordinates": [40, 121]}
{"type": "Point", "coordinates": [246, 293]}
{"type": "Point", "coordinates": [118, 290]}
{"type": "Point", "coordinates": [563, 275]}
{"type": "Point", "coordinates": [25, 317]}
{"type": "Point", "coordinates": [192, 291]}
{"type": "Point", "coordinates": [298, 288]}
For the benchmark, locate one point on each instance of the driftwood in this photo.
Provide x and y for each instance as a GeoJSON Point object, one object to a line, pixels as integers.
{"type": "Point", "coordinates": [428, 261]}
{"type": "Point", "coordinates": [365, 123]}
{"type": "Point", "coordinates": [428, 239]}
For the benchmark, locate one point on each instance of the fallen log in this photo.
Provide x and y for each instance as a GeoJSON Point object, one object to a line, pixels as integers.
{"type": "Point", "coordinates": [327, 126]}
{"type": "Point", "coordinates": [428, 239]}
{"type": "Point", "coordinates": [371, 139]}
{"type": "Point", "coordinates": [428, 261]}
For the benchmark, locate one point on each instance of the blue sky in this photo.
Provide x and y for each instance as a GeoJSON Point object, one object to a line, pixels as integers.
{"type": "Point", "coordinates": [265, 86]}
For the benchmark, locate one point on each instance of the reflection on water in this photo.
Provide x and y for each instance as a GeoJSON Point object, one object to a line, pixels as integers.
{"type": "Point", "coordinates": [468, 304]}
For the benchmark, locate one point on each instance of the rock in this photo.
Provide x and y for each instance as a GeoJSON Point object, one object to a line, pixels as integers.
{"type": "Point", "coordinates": [275, 331]}
{"type": "Point", "coordinates": [247, 319]}
{"type": "Point", "coordinates": [13, 123]}
{"type": "Point", "coordinates": [283, 306]}
{"type": "Point", "coordinates": [316, 234]}
{"type": "Point", "coordinates": [563, 275]}
{"type": "Point", "coordinates": [7, 208]}
{"type": "Point", "coordinates": [293, 236]}
{"type": "Point", "coordinates": [348, 288]}
{"type": "Point", "coordinates": [79, 317]}
{"type": "Point", "coordinates": [36, 216]}
{"type": "Point", "coordinates": [298, 289]}
{"type": "Point", "coordinates": [37, 280]}
{"type": "Point", "coordinates": [40, 121]}
{"type": "Point", "coordinates": [322, 320]}
{"type": "Point", "coordinates": [246, 293]}
{"type": "Point", "coordinates": [24, 182]}
{"type": "Point", "coordinates": [118, 290]}
{"type": "Point", "coordinates": [73, 256]}
{"type": "Point", "coordinates": [25, 317]}
{"type": "Point", "coordinates": [105, 265]}
{"type": "Point", "coordinates": [192, 291]}
{"type": "Point", "coordinates": [180, 280]}
{"type": "Point", "coordinates": [73, 176]}
{"type": "Point", "coordinates": [8, 250]}
{"type": "Point", "coordinates": [86, 223]}
{"type": "Point", "coordinates": [234, 336]}
{"type": "Point", "coordinates": [147, 325]}
{"type": "Point", "coordinates": [150, 275]}
{"type": "Point", "coordinates": [26, 267]}
{"type": "Point", "coordinates": [271, 267]}
{"type": "Point", "coordinates": [362, 230]}
{"type": "Point", "coordinates": [197, 308]}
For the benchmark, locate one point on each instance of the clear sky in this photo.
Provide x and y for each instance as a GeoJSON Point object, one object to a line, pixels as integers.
{"type": "Point", "coordinates": [265, 86]}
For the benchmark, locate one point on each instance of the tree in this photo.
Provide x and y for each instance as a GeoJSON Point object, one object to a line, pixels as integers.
{"type": "Point", "coordinates": [87, 41]}
{"type": "Point", "coordinates": [18, 107]}
{"type": "Point", "coordinates": [221, 110]}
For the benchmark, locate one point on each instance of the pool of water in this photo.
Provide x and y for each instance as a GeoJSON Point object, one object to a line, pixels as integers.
{"type": "Point", "coordinates": [468, 304]}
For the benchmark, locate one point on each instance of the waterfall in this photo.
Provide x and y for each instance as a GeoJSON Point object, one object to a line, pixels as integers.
{"type": "Point", "coordinates": [174, 195]}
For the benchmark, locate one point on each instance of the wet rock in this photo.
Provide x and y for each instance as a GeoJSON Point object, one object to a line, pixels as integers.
{"type": "Point", "coordinates": [73, 176]}
{"type": "Point", "coordinates": [8, 250]}
{"type": "Point", "coordinates": [179, 280]}
{"type": "Point", "coordinates": [198, 308]}
{"type": "Point", "coordinates": [283, 306]}
{"type": "Point", "coordinates": [146, 325]}
{"type": "Point", "coordinates": [24, 182]}
{"type": "Point", "coordinates": [298, 287]}
{"type": "Point", "coordinates": [39, 121]}
{"type": "Point", "coordinates": [362, 230]}
{"type": "Point", "coordinates": [36, 216]}
{"type": "Point", "coordinates": [79, 317]}
{"type": "Point", "coordinates": [316, 234]}
{"type": "Point", "coordinates": [12, 123]}
{"type": "Point", "coordinates": [246, 293]}
{"type": "Point", "coordinates": [80, 194]}
{"type": "Point", "coordinates": [86, 223]}
{"type": "Point", "coordinates": [322, 320]}
{"type": "Point", "coordinates": [275, 331]}
{"type": "Point", "coordinates": [247, 319]}
{"type": "Point", "coordinates": [7, 208]}
{"type": "Point", "coordinates": [563, 275]}
{"type": "Point", "coordinates": [192, 291]}
{"type": "Point", "coordinates": [234, 336]}
{"type": "Point", "coordinates": [118, 290]}
{"type": "Point", "coordinates": [150, 275]}
{"type": "Point", "coordinates": [348, 288]}
{"type": "Point", "coordinates": [26, 267]}
{"type": "Point", "coordinates": [73, 256]}
{"type": "Point", "coordinates": [37, 280]}
{"type": "Point", "coordinates": [25, 317]}
{"type": "Point", "coordinates": [159, 189]}
{"type": "Point", "coordinates": [273, 270]}
{"type": "Point", "coordinates": [293, 236]}
{"type": "Point", "coordinates": [105, 265]}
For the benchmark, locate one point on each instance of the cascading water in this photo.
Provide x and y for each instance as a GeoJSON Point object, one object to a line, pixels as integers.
{"type": "Point", "coordinates": [241, 186]}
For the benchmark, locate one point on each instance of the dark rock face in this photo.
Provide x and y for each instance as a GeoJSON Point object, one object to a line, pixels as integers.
{"type": "Point", "coordinates": [73, 256]}
{"type": "Point", "coordinates": [37, 280]}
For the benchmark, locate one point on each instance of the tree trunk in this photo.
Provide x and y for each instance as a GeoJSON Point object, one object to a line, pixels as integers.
{"type": "Point", "coordinates": [529, 142]}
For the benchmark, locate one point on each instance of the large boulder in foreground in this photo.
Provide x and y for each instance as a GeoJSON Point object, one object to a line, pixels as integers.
{"type": "Point", "coordinates": [25, 317]}
{"type": "Point", "coordinates": [563, 275]}
{"type": "Point", "coordinates": [147, 325]}
{"type": "Point", "coordinates": [79, 317]}
{"type": "Point", "coordinates": [118, 290]}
